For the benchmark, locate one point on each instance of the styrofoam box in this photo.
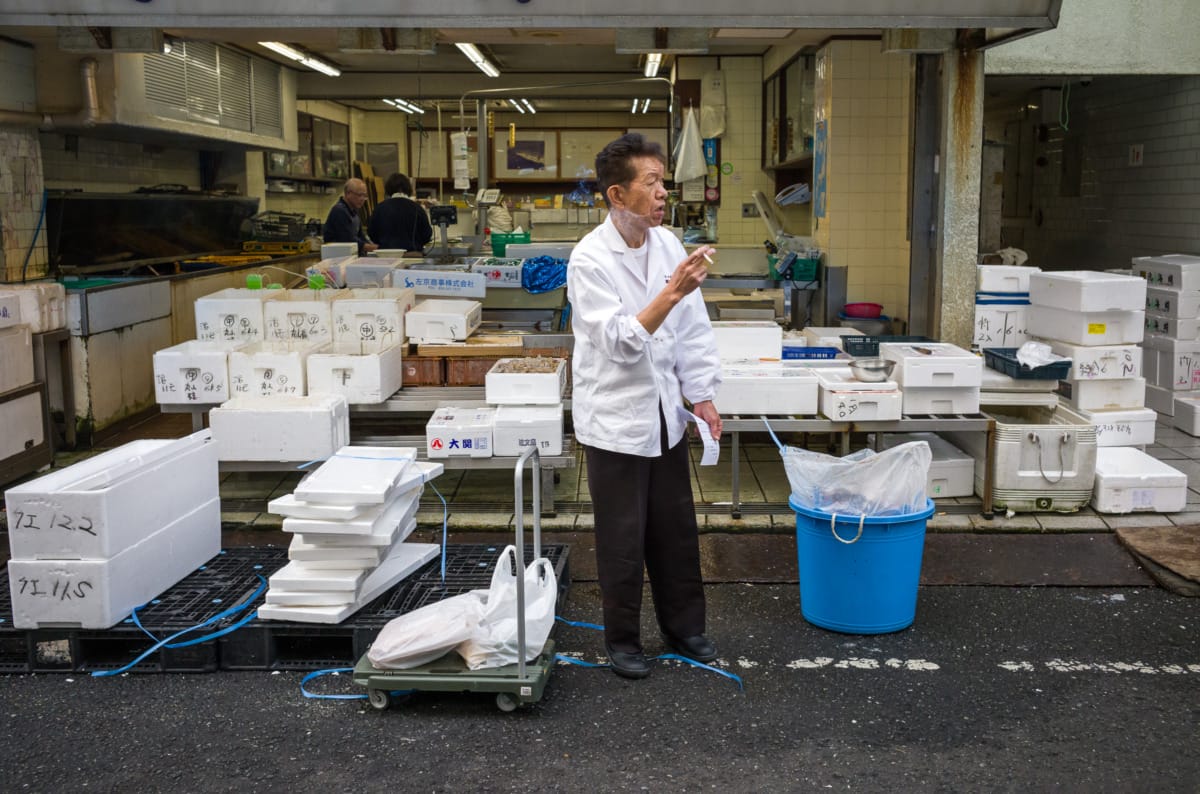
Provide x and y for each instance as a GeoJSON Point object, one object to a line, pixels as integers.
{"type": "Point", "coordinates": [1123, 427]}
{"type": "Point", "coordinates": [1128, 480]}
{"type": "Point", "coordinates": [951, 472]}
{"type": "Point", "coordinates": [748, 339]}
{"type": "Point", "coordinates": [1187, 328]}
{"type": "Point", "coordinates": [1187, 413]}
{"type": "Point", "coordinates": [843, 397]}
{"type": "Point", "coordinates": [338, 250]}
{"type": "Point", "coordinates": [1000, 325]}
{"type": "Point", "coordinates": [266, 369]}
{"type": "Point", "coordinates": [43, 305]}
{"type": "Point", "coordinates": [367, 271]}
{"type": "Point", "coordinates": [362, 378]}
{"type": "Point", "coordinates": [281, 428]}
{"type": "Point", "coordinates": [372, 318]}
{"type": "Point", "coordinates": [1181, 271]}
{"type": "Point", "coordinates": [460, 432]}
{"type": "Point", "coordinates": [1178, 371]}
{"type": "Point", "coordinates": [1173, 302]}
{"type": "Point", "coordinates": [1161, 400]}
{"type": "Point", "coordinates": [299, 315]}
{"type": "Point", "coordinates": [231, 315]}
{"type": "Point", "coordinates": [443, 320]}
{"type": "Point", "coordinates": [1087, 328]}
{"type": "Point", "coordinates": [756, 388]}
{"type": "Point", "coordinates": [826, 336]}
{"type": "Point", "coordinates": [1100, 362]}
{"type": "Point", "coordinates": [519, 427]}
{"type": "Point", "coordinates": [16, 357]}
{"type": "Point", "coordinates": [10, 309]}
{"type": "Point", "coordinates": [100, 506]}
{"type": "Point", "coordinates": [1095, 395]}
{"type": "Point", "coordinates": [500, 273]}
{"type": "Point", "coordinates": [96, 593]}
{"type": "Point", "coordinates": [22, 424]}
{"type": "Point", "coordinates": [920, 401]}
{"type": "Point", "coordinates": [944, 365]}
{"type": "Point", "coordinates": [525, 388]}
{"type": "Point", "coordinates": [1087, 291]}
{"type": "Point", "coordinates": [193, 372]}
{"type": "Point", "coordinates": [1004, 278]}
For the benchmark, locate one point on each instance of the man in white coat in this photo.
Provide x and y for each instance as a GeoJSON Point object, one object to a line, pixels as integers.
{"type": "Point", "coordinates": [643, 344]}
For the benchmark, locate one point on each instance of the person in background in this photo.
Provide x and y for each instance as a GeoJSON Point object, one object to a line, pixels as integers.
{"type": "Point", "coordinates": [399, 222]}
{"type": "Point", "coordinates": [643, 343]}
{"type": "Point", "coordinates": [343, 224]}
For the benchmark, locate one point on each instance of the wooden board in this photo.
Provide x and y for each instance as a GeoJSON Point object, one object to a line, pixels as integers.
{"type": "Point", "coordinates": [479, 345]}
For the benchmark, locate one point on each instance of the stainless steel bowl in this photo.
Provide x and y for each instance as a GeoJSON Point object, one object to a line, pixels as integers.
{"type": "Point", "coordinates": [872, 370]}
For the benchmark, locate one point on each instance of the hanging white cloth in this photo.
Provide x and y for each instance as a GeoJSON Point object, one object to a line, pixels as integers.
{"type": "Point", "coordinates": [689, 151]}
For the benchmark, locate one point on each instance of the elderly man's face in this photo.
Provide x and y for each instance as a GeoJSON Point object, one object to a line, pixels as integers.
{"type": "Point", "coordinates": [356, 193]}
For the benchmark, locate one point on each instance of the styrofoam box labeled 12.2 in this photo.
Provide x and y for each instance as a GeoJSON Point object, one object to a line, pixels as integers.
{"type": "Point", "coordinates": [505, 384]}
{"type": "Point", "coordinates": [98, 507]}
{"type": "Point", "coordinates": [96, 593]}
{"type": "Point", "coordinates": [1100, 362]}
{"type": "Point", "coordinates": [1123, 427]}
{"type": "Point", "coordinates": [363, 378]}
{"type": "Point", "coordinates": [1087, 291]}
{"type": "Point", "coordinates": [284, 429]}
{"type": "Point", "coordinates": [193, 372]}
{"type": "Point", "coordinates": [1128, 480]}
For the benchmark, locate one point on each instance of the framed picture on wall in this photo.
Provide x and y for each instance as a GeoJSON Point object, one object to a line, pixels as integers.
{"type": "Point", "coordinates": [532, 155]}
{"type": "Point", "coordinates": [579, 150]}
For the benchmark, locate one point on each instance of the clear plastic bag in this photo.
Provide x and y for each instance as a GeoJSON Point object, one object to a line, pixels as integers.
{"type": "Point", "coordinates": [495, 643]}
{"type": "Point", "coordinates": [864, 483]}
{"type": "Point", "coordinates": [418, 637]}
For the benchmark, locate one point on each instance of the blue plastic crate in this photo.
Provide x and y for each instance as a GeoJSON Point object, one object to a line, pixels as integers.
{"type": "Point", "coordinates": [1004, 359]}
{"type": "Point", "coordinates": [798, 353]}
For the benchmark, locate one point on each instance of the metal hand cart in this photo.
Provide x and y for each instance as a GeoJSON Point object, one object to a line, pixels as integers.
{"type": "Point", "coordinates": [515, 684]}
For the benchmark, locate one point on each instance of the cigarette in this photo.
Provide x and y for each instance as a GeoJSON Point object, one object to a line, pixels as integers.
{"type": "Point", "coordinates": [707, 258]}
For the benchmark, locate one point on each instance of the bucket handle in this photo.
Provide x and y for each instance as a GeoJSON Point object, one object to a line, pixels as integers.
{"type": "Point", "coordinates": [774, 437]}
{"type": "Point", "coordinates": [833, 528]}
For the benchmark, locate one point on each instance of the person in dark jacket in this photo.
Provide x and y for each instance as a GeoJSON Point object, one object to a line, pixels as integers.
{"type": "Point", "coordinates": [343, 224]}
{"type": "Point", "coordinates": [399, 222]}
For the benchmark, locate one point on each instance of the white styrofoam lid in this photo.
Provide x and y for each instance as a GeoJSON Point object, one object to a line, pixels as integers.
{"type": "Point", "coordinates": [1121, 415]}
{"type": "Point", "coordinates": [746, 324]}
{"type": "Point", "coordinates": [1127, 466]}
{"type": "Point", "coordinates": [357, 475]}
{"type": "Point", "coordinates": [1035, 399]}
{"type": "Point", "coordinates": [795, 374]}
{"type": "Point", "coordinates": [312, 402]}
{"type": "Point", "coordinates": [1167, 259]}
{"type": "Point", "coordinates": [994, 380]}
{"type": "Point", "coordinates": [935, 350]}
{"type": "Point", "coordinates": [289, 506]}
{"type": "Point", "coordinates": [1087, 277]}
{"type": "Point", "coordinates": [842, 379]}
{"type": "Point", "coordinates": [820, 331]}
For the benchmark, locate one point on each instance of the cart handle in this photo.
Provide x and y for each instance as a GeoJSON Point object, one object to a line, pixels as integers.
{"type": "Point", "coordinates": [519, 569]}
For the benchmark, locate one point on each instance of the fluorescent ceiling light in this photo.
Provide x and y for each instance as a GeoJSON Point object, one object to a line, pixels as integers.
{"type": "Point", "coordinates": [653, 60]}
{"type": "Point", "coordinates": [516, 103]}
{"type": "Point", "coordinates": [645, 104]}
{"type": "Point", "coordinates": [405, 105]}
{"type": "Point", "coordinates": [636, 102]}
{"type": "Point", "coordinates": [304, 58]}
{"type": "Point", "coordinates": [477, 58]}
{"type": "Point", "coordinates": [529, 106]}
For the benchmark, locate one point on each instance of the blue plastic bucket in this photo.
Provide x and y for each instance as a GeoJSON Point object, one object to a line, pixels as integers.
{"type": "Point", "coordinates": [859, 576]}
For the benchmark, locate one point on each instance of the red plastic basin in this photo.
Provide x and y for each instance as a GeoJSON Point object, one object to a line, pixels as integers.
{"type": "Point", "coordinates": [866, 310]}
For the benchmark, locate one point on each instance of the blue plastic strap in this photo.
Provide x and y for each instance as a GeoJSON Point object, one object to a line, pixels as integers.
{"type": "Point", "coordinates": [338, 671]}
{"type": "Point", "coordinates": [580, 623]}
{"type": "Point", "coordinates": [558, 657]}
{"type": "Point", "coordinates": [774, 437]}
{"type": "Point", "coordinates": [731, 676]}
{"type": "Point", "coordinates": [445, 521]}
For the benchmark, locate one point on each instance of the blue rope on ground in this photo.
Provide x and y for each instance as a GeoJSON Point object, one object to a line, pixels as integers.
{"type": "Point", "coordinates": [338, 671]}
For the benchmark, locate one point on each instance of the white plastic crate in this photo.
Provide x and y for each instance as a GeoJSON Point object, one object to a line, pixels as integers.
{"type": "Point", "coordinates": [920, 401]}
{"type": "Point", "coordinates": [373, 319]}
{"type": "Point", "coordinates": [844, 398]}
{"type": "Point", "coordinates": [828, 336]}
{"type": "Point", "coordinates": [1087, 328]}
{"type": "Point", "coordinates": [10, 309]}
{"type": "Point", "coordinates": [1186, 328]}
{"type": "Point", "coordinates": [1123, 427]}
{"type": "Point", "coordinates": [43, 305]}
{"type": "Point", "coordinates": [933, 364]}
{"type": "Point", "coordinates": [519, 427]}
{"type": "Point", "coordinates": [193, 373]}
{"type": "Point", "coordinates": [437, 320]}
{"type": "Point", "coordinates": [748, 339]}
{"type": "Point", "coordinates": [951, 472]}
{"type": "Point", "coordinates": [502, 386]}
{"type": "Point", "coordinates": [232, 315]}
{"type": "Point", "coordinates": [97, 593]}
{"type": "Point", "coordinates": [757, 388]}
{"type": "Point", "coordinates": [16, 358]}
{"type": "Point", "coordinates": [285, 429]}
{"type": "Point", "coordinates": [1095, 395]}
{"type": "Point", "coordinates": [460, 432]}
{"type": "Point", "coordinates": [1087, 291]}
{"type": "Point", "coordinates": [1173, 302]}
{"type": "Point", "coordinates": [270, 369]}
{"type": "Point", "coordinates": [100, 506]}
{"type": "Point", "coordinates": [300, 316]}
{"type": "Point", "coordinates": [1128, 480]}
{"type": "Point", "coordinates": [362, 378]}
{"type": "Point", "coordinates": [1004, 278]}
{"type": "Point", "coordinates": [1181, 271]}
{"type": "Point", "coordinates": [1100, 362]}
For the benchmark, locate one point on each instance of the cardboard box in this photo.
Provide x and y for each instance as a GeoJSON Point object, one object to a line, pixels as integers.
{"type": "Point", "coordinates": [424, 371]}
{"type": "Point", "coordinates": [518, 427]}
{"type": "Point", "coordinates": [284, 429]}
{"type": "Point", "coordinates": [460, 432]}
{"type": "Point", "coordinates": [505, 384]}
{"type": "Point", "coordinates": [362, 378]}
{"type": "Point", "coordinates": [193, 373]}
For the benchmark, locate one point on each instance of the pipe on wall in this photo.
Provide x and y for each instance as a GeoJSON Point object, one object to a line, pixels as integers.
{"type": "Point", "coordinates": [86, 116]}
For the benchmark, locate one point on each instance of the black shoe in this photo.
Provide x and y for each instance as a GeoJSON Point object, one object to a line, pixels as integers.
{"type": "Point", "coordinates": [628, 665]}
{"type": "Point", "coordinates": [699, 648]}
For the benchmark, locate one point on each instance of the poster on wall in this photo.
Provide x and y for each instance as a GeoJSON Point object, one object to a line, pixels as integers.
{"type": "Point", "coordinates": [820, 168]}
{"type": "Point", "coordinates": [533, 154]}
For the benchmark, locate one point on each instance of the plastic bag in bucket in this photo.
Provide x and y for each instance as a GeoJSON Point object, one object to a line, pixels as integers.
{"type": "Point", "coordinates": [859, 574]}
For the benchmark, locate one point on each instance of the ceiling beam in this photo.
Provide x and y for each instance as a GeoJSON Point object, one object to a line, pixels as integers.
{"type": "Point", "coordinates": [452, 85]}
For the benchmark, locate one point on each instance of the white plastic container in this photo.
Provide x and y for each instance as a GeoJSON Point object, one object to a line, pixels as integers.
{"type": "Point", "coordinates": [757, 388]}
{"type": "Point", "coordinates": [1161, 400]}
{"type": "Point", "coordinates": [1096, 395]}
{"type": "Point", "coordinates": [1128, 481]}
{"type": "Point", "coordinates": [1187, 328]}
{"type": "Point", "coordinates": [460, 432]}
{"type": "Point", "coordinates": [748, 339]}
{"type": "Point", "coordinates": [844, 398]}
{"type": "Point", "coordinates": [267, 369]}
{"type": "Point", "coordinates": [10, 309]}
{"type": "Point", "coordinates": [1100, 362]}
{"type": "Point", "coordinates": [16, 358]}
{"type": "Point", "coordinates": [1000, 323]}
{"type": "Point", "coordinates": [372, 319]}
{"type": "Point", "coordinates": [1173, 302]}
{"type": "Point", "coordinates": [1181, 271]}
{"type": "Point", "coordinates": [519, 427]}
{"type": "Point", "coordinates": [933, 364]}
{"type": "Point", "coordinates": [22, 422]}
{"type": "Point", "coordinates": [936, 401]}
{"type": "Point", "coordinates": [1123, 427]}
{"type": "Point", "coordinates": [362, 378]}
{"type": "Point", "coordinates": [102, 505]}
{"type": "Point", "coordinates": [826, 336]}
{"type": "Point", "coordinates": [288, 429]}
{"type": "Point", "coordinates": [43, 305]}
{"type": "Point", "coordinates": [299, 316]}
{"type": "Point", "coordinates": [1004, 278]}
{"type": "Point", "coordinates": [1087, 328]}
{"type": "Point", "coordinates": [97, 593]}
{"type": "Point", "coordinates": [1087, 291]}
{"type": "Point", "coordinates": [232, 315]}
{"type": "Point", "coordinates": [193, 373]}
{"type": "Point", "coordinates": [505, 387]}
{"type": "Point", "coordinates": [951, 472]}
{"type": "Point", "coordinates": [439, 320]}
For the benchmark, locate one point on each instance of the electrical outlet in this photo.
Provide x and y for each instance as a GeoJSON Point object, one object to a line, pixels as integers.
{"type": "Point", "coordinates": [749, 210]}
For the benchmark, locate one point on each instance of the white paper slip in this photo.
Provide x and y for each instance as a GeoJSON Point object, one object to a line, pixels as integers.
{"type": "Point", "coordinates": [712, 447]}
{"type": "Point", "coordinates": [357, 476]}
{"type": "Point", "coordinates": [291, 507]}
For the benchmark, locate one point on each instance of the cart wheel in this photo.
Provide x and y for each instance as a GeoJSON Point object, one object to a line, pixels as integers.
{"type": "Point", "coordinates": [506, 702]}
{"type": "Point", "coordinates": [380, 699]}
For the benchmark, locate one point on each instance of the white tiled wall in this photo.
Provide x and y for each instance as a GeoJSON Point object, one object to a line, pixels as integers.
{"type": "Point", "coordinates": [864, 97]}
{"type": "Point", "coordinates": [21, 204]}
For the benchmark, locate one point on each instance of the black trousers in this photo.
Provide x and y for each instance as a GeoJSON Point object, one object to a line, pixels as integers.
{"type": "Point", "coordinates": [645, 518]}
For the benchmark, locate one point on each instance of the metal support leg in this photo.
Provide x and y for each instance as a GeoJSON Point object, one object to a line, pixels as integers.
{"type": "Point", "coordinates": [735, 504]}
{"type": "Point", "coordinates": [989, 463]}
{"type": "Point", "coordinates": [547, 478]}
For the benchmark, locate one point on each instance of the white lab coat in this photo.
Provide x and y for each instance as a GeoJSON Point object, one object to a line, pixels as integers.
{"type": "Point", "coordinates": [620, 371]}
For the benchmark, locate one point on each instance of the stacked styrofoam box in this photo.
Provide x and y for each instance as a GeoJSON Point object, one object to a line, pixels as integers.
{"type": "Point", "coordinates": [94, 540]}
{"type": "Point", "coordinates": [271, 369]}
{"type": "Point", "coordinates": [193, 372]}
{"type": "Point", "coordinates": [372, 318]}
{"type": "Point", "coordinates": [844, 398]}
{"type": "Point", "coordinates": [1001, 305]}
{"type": "Point", "coordinates": [300, 315]}
{"type": "Point", "coordinates": [755, 388]}
{"type": "Point", "coordinates": [1171, 345]}
{"type": "Point", "coordinates": [825, 336]}
{"type": "Point", "coordinates": [439, 320]}
{"type": "Point", "coordinates": [232, 315]}
{"type": "Point", "coordinates": [951, 472]}
{"type": "Point", "coordinates": [280, 428]}
{"type": "Point", "coordinates": [742, 340]}
{"type": "Point", "coordinates": [1129, 480]}
{"type": "Point", "coordinates": [936, 377]}
{"type": "Point", "coordinates": [365, 271]}
{"type": "Point", "coordinates": [10, 308]}
{"type": "Point", "coordinates": [349, 520]}
{"type": "Point", "coordinates": [529, 411]}
{"type": "Point", "coordinates": [43, 305]}
{"type": "Point", "coordinates": [460, 432]}
{"type": "Point", "coordinates": [365, 362]}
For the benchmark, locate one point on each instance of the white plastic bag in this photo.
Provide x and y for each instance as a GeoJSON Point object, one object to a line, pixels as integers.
{"type": "Point", "coordinates": [864, 483]}
{"type": "Point", "coordinates": [494, 644]}
{"type": "Point", "coordinates": [425, 634]}
{"type": "Point", "coordinates": [689, 152]}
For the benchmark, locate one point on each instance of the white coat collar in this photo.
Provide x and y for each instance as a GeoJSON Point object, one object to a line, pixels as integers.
{"type": "Point", "coordinates": [615, 242]}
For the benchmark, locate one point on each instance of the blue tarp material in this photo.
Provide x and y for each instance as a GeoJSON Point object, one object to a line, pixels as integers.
{"type": "Point", "coordinates": [543, 274]}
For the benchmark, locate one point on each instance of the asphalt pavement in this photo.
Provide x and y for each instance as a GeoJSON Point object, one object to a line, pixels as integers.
{"type": "Point", "coordinates": [992, 688]}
